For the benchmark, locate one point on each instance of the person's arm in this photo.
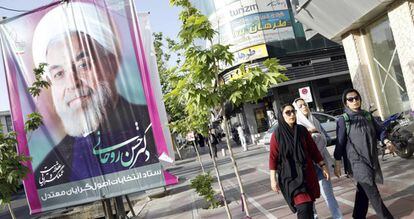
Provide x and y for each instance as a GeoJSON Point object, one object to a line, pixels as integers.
{"type": "Point", "coordinates": [273, 155]}
{"type": "Point", "coordinates": [316, 156]}
{"type": "Point", "coordinates": [341, 139]}
{"type": "Point", "coordinates": [340, 148]}
{"type": "Point", "coordinates": [382, 135]}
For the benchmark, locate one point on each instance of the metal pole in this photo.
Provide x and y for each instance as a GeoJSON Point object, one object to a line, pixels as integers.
{"type": "Point", "coordinates": [120, 210]}
{"type": "Point", "coordinates": [107, 209]}
{"type": "Point", "coordinates": [130, 206]}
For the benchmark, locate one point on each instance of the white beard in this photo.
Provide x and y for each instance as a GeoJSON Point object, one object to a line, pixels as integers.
{"type": "Point", "coordinates": [78, 122]}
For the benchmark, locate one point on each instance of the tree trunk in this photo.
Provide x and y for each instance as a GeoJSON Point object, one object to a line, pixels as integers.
{"type": "Point", "coordinates": [11, 211]}
{"type": "Point", "coordinates": [174, 140]}
{"type": "Point", "coordinates": [233, 160]}
{"type": "Point", "coordinates": [219, 180]}
{"type": "Point", "coordinates": [198, 156]}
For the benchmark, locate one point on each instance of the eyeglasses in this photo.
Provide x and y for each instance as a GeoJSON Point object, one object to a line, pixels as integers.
{"type": "Point", "coordinates": [290, 112]}
{"type": "Point", "coordinates": [352, 99]}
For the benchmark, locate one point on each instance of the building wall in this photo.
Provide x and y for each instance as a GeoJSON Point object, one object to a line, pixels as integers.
{"type": "Point", "coordinates": [365, 77]}
{"type": "Point", "coordinates": [306, 60]}
{"type": "Point", "coordinates": [401, 16]}
{"type": "Point", "coordinates": [359, 69]}
{"type": "Point", "coordinates": [3, 116]}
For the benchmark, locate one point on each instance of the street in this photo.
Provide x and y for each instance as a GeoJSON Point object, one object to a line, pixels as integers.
{"type": "Point", "coordinates": [182, 201]}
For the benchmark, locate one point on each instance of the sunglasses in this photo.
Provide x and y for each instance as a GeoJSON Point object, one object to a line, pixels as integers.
{"type": "Point", "coordinates": [352, 99]}
{"type": "Point", "coordinates": [290, 112]}
{"type": "Point", "coordinates": [301, 106]}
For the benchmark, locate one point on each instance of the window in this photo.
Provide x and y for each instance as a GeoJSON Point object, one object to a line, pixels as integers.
{"type": "Point", "coordinates": [9, 124]}
{"type": "Point", "coordinates": [301, 63]}
{"type": "Point", "coordinates": [340, 57]}
{"type": "Point", "coordinates": [387, 67]}
{"type": "Point", "coordinates": [321, 118]}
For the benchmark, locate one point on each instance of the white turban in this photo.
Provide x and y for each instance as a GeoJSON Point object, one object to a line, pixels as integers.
{"type": "Point", "coordinates": [70, 17]}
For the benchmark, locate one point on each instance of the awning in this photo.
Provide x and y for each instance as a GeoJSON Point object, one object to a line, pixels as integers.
{"type": "Point", "coordinates": [333, 18]}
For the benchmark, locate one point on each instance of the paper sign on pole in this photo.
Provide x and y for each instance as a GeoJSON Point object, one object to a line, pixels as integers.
{"type": "Point", "coordinates": [305, 94]}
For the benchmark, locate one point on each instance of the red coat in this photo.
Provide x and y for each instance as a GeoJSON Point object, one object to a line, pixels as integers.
{"type": "Point", "coordinates": [312, 155]}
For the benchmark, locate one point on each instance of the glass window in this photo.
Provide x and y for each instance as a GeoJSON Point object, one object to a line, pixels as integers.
{"type": "Point", "coordinates": [387, 67]}
{"type": "Point", "coordinates": [261, 120]}
{"type": "Point", "coordinates": [9, 124]}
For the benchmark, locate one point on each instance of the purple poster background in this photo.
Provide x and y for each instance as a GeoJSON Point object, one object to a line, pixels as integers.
{"type": "Point", "coordinates": [18, 77]}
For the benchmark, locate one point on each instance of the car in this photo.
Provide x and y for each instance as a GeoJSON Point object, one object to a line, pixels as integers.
{"type": "Point", "coordinates": [327, 121]}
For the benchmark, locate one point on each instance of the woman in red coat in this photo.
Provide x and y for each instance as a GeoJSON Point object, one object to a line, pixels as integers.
{"type": "Point", "coordinates": [292, 155]}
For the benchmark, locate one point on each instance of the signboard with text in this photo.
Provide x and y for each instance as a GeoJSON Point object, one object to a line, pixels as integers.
{"type": "Point", "coordinates": [245, 23]}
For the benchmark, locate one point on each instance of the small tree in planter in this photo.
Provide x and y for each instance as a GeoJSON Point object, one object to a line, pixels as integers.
{"type": "Point", "coordinates": [13, 167]}
{"type": "Point", "coordinates": [203, 186]}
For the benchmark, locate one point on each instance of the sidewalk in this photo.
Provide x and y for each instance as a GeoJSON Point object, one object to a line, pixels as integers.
{"type": "Point", "coordinates": [182, 201]}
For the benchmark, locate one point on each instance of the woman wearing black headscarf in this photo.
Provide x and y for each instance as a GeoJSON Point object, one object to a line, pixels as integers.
{"type": "Point", "coordinates": [357, 136]}
{"type": "Point", "coordinates": [292, 153]}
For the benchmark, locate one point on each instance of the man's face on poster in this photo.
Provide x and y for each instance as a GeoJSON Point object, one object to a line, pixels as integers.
{"type": "Point", "coordinates": [82, 74]}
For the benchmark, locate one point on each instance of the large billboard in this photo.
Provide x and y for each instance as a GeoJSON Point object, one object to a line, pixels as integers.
{"type": "Point", "coordinates": [102, 134]}
{"type": "Point", "coordinates": [245, 23]}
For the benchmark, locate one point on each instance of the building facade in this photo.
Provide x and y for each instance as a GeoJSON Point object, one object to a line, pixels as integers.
{"type": "Point", "coordinates": [261, 29]}
{"type": "Point", "coordinates": [6, 122]}
{"type": "Point", "coordinates": [378, 39]}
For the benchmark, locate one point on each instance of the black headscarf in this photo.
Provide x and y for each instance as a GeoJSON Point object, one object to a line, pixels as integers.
{"type": "Point", "coordinates": [291, 160]}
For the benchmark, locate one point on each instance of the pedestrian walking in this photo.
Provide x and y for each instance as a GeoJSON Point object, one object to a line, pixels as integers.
{"type": "Point", "coordinates": [357, 136]}
{"type": "Point", "coordinates": [235, 136]}
{"type": "Point", "coordinates": [242, 138]}
{"type": "Point", "coordinates": [292, 154]}
{"type": "Point", "coordinates": [304, 117]}
{"type": "Point", "coordinates": [213, 141]}
{"type": "Point", "coordinates": [199, 138]}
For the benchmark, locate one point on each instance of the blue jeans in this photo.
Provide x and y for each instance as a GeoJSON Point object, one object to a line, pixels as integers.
{"type": "Point", "coordinates": [328, 195]}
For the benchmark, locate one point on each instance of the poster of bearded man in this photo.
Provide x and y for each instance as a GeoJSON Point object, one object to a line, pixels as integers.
{"type": "Point", "coordinates": [102, 135]}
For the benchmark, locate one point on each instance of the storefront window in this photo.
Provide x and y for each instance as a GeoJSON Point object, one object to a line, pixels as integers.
{"type": "Point", "coordinates": [261, 120]}
{"type": "Point", "coordinates": [386, 65]}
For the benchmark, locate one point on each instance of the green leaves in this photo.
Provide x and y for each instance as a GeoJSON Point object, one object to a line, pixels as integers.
{"type": "Point", "coordinates": [248, 84]}
{"type": "Point", "coordinates": [34, 121]}
{"type": "Point", "coordinates": [12, 170]}
{"type": "Point", "coordinates": [203, 186]}
{"type": "Point", "coordinates": [12, 164]}
{"type": "Point", "coordinates": [198, 86]}
{"type": "Point", "coordinates": [194, 24]}
{"type": "Point", "coordinates": [39, 83]}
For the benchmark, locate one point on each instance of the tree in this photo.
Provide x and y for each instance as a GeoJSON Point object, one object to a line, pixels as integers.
{"type": "Point", "coordinates": [169, 78]}
{"type": "Point", "coordinates": [202, 86]}
{"type": "Point", "coordinates": [13, 166]}
{"type": "Point", "coordinates": [182, 121]}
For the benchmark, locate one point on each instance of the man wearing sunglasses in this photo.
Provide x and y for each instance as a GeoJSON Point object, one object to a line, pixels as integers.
{"type": "Point", "coordinates": [357, 137]}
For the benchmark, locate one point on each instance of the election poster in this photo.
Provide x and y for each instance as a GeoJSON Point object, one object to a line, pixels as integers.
{"type": "Point", "coordinates": [102, 133]}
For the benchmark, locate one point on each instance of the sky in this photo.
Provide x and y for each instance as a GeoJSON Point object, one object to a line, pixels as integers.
{"type": "Point", "coordinates": [163, 18]}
